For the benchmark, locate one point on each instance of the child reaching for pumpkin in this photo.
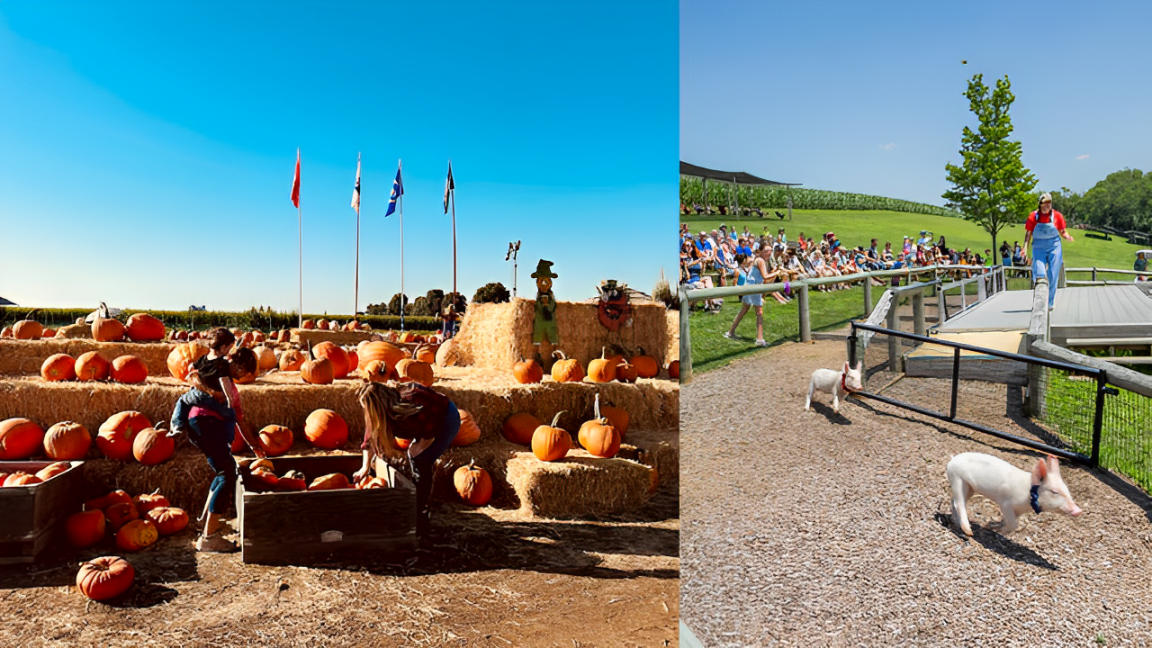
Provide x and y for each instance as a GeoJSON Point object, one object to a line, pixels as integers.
{"type": "Point", "coordinates": [211, 426]}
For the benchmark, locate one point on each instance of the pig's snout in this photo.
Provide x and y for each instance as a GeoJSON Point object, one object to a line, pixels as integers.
{"type": "Point", "coordinates": [1075, 511]}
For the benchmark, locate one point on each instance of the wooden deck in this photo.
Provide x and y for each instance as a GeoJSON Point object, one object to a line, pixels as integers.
{"type": "Point", "coordinates": [1005, 311]}
{"type": "Point", "coordinates": [1101, 313]}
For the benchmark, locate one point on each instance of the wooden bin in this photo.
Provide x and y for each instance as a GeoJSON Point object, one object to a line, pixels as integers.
{"type": "Point", "coordinates": [32, 517]}
{"type": "Point", "coordinates": [306, 527]}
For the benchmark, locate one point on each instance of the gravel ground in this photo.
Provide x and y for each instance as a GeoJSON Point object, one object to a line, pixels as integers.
{"type": "Point", "coordinates": [811, 528]}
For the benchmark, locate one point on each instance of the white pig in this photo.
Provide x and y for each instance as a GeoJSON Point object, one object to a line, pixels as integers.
{"type": "Point", "coordinates": [1015, 491]}
{"type": "Point", "coordinates": [837, 383]}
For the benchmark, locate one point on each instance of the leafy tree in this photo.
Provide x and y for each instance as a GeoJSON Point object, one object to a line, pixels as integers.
{"type": "Point", "coordinates": [493, 293]}
{"type": "Point", "coordinates": [435, 300]}
{"type": "Point", "coordinates": [1122, 200]}
{"type": "Point", "coordinates": [420, 307]}
{"type": "Point", "coordinates": [394, 304]}
{"type": "Point", "coordinates": [991, 187]}
{"type": "Point", "coordinates": [377, 309]}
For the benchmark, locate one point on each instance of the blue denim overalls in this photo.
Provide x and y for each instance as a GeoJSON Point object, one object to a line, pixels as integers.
{"type": "Point", "coordinates": [1047, 254]}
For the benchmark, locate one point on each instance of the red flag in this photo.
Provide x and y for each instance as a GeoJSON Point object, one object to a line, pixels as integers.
{"type": "Point", "coordinates": [296, 182]}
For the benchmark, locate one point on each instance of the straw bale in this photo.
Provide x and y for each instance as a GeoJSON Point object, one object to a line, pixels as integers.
{"type": "Point", "coordinates": [579, 485]}
{"type": "Point", "coordinates": [87, 403]}
{"type": "Point", "coordinates": [672, 349]}
{"type": "Point", "coordinates": [340, 338]}
{"type": "Point", "coordinates": [25, 356]}
{"type": "Point", "coordinates": [184, 479]}
{"type": "Point", "coordinates": [495, 335]}
{"type": "Point", "coordinates": [660, 450]}
{"type": "Point", "coordinates": [75, 331]}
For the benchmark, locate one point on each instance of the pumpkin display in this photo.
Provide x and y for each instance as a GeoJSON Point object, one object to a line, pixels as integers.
{"type": "Point", "coordinates": [238, 442]}
{"type": "Point", "coordinates": [322, 324]}
{"type": "Point", "coordinates": [518, 428]}
{"type": "Point", "coordinates": [21, 478]}
{"type": "Point", "coordinates": [85, 529]}
{"type": "Point", "coordinates": [308, 324]}
{"type": "Point", "coordinates": [473, 485]}
{"type": "Point", "coordinates": [646, 365]}
{"type": "Point", "coordinates": [336, 355]}
{"type": "Point", "coordinates": [317, 371]}
{"type": "Point", "coordinates": [53, 469]}
{"type": "Point", "coordinates": [149, 501]}
{"type": "Point", "coordinates": [527, 372]}
{"type": "Point", "coordinates": [333, 481]}
{"type": "Point", "coordinates": [598, 437]}
{"type": "Point", "coordinates": [60, 366]}
{"type": "Point", "coordinates": [617, 418]}
{"type": "Point", "coordinates": [469, 432]}
{"type": "Point", "coordinates": [105, 328]}
{"type": "Point", "coordinates": [380, 350]}
{"type": "Point", "coordinates": [182, 356]}
{"type": "Point", "coordinates": [169, 520]}
{"type": "Point", "coordinates": [265, 358]}
{"type": "Point", "coordinates": [153, 446]}
{"type": "Point", "coordinates": [413, 370]}
{"type": "Point", "coordinates": [293, 480]}
{"type": "Point", "coordinates": [565, 369]}
{"type": "Point", "coordinates": [67, 441]}
{"type": "Point", "coordinates": [291, 360]}
{"type": "Point", "coordinates": [275, 439]}
{"type": "Point", "coordinates": [137, 535]}
{"type": "Point", "coordinates": [120, 514]}
{"type": "Point", "coordinates": [264, 463]}
{"type": "Point", "coordinates": [353, 360]}
{"type": "Point", "coordinates": [425, 353]}
{"type": "Point", "coordinates": [551, 443]}
{"type": "Point", "coordinates": [48, 333]}
{"type": "Point", "coordinates": [626, 372]}
{"type": "Point", "coordinates": [602, 369]}
{"type": "Point", "coordinates": [377, 371]}
{"type": "Point", "coordinates": [91, 366]}
{"type": "Point", "coordinates": [326, 429]}
{"type": "Point", "coordinates": [20, 438]}
{"type": "Point", "coordinates": [374, 482]}
{"type": "Point", "coordinates": [264, 480]}
{"type": "Point", "coordinates": [6, 332]}
{"type": "Point", "coordinates": [116, 497]}
{"type": "Point", "coordinates": [104, 578]}
{"type": "Point", "coordinates": [28, 330]}
{"type": "Point", "coordinates": [143, 327]}
{"type": "Point", "coordinates": [129, 369]}
{"type": "Point", "coordinates": [116, 435]}
{"type": "Point", "coordinates": [674, 370]}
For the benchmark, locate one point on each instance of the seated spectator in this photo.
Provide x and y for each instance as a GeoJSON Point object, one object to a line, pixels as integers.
{"type": "Point", "coordinates": [698, 208]}
{"type": "Point", "coordinates": [726, 261]}
{"type": "Point", "coordinates": [886, 257]}
{"type": "Point", "coordinates": [1005, 254]}
{"type": "Point", "coordinates": [690, 257]}
{"type": "Point", "coordinates": [1141, 264]}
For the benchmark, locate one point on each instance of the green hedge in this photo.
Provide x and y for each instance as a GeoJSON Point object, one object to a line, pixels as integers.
{"type": "Point", "coordinates": [199, 320]}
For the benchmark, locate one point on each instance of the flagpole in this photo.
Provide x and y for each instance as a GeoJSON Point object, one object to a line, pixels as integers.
{"type": "Point", "coordinates": [452, 195]}
{"type": "Point", "coordinates": [300, 215]}
{"type": "Point", "coordinates": [401, 199]}
{"type": "Point", "coordinates": [356, 292]}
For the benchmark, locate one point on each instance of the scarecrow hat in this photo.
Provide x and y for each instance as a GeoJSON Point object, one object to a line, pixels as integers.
{"type": "Point", "coordinates": [544, 269]}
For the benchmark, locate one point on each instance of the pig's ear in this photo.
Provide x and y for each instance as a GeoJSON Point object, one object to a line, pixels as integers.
{"type": "Point", "coordinates": [1053, 464]}
{"type": "Point", "coordinates": [859, 365]}
{"type": "Point", "coordinates": [846, 366]}
{"type": "Point", "coordinates": [1039, 472]}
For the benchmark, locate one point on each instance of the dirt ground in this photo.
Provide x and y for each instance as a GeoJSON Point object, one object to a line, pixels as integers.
{"type": "Point", "coordinates": [818, 529]}
{"type": "Point", "coordinates": [487, 578]}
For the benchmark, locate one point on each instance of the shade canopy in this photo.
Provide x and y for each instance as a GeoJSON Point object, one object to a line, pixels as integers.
{"type": "Point", "coordinates": [5, 302]}
{"type": "Point", "coordinates": [737, 177]}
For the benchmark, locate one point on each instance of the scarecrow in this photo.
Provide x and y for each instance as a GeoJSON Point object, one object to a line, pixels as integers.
{"type": "Point", "coordinates": [614, 308]}
{"type": "Point", "coordinates": [544, 326]}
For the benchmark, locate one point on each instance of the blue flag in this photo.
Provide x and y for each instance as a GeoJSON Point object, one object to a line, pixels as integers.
{"type": "Point", "coordinates": [397, 191]}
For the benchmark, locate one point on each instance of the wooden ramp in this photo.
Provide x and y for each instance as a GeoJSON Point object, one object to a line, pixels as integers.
{"type": "Point", "coordinates": [935, 361]}
{"type": "Point", "coordinates": [1009, 310]}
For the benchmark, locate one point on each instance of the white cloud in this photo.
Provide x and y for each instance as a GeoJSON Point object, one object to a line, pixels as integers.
{"type": "Point", "coordinates": [888, 147]}
{"type": "Point", "coordinates": [1082, 157]}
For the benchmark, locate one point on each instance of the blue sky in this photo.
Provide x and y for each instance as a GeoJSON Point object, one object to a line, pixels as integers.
{"type": "Point", "coordinates": [147, 149]}
{"type": "Point", "coordinates": [868, 96]}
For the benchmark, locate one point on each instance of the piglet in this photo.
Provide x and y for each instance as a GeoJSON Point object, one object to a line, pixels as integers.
{"type": "Point", "coordinates": [837, 383]}
{"type": "Point", "coordinates": [1015, 491]}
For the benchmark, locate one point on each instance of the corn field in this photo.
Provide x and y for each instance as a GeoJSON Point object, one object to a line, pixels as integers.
{"type": "Point", "coordinates": [773, 197]}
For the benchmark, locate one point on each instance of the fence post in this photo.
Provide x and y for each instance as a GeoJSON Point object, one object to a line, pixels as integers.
{"type": "Point", "coordinates": [805, 322]}
{"type": "Point", "coordinates": [1098, 420]}
{"type": "Point", "coordinates": [893, 341]}
{"type": "Point", "coordinates": [867, 296]}
{"type": "Point", "coordinates": [942, 304]}
{"type": "Point", "coordinates": [685, 339]}
{"type": "Point", "coordinates": [918, 311]}
{"type": "Point", "coordinates": [1093, 273]}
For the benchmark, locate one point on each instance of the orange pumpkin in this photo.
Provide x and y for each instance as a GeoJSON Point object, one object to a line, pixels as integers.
{"type": "Point", "coordinates": [566, 370]}
{"type": "Point", "coordinates": [265, 358]}
{"type": "Point", "coordinates": [149, 501]}
{"type": "Point", "coordinates": [264, 480]}
{"type": "Point", "coordinates": [85, 529]}
{"type": "Point", "coordinates": [322, 324]}
{"type": "Point", "coordinates": [291, 360]}
{"type": "Point", "coordinates": [275, 439]}
{"type": "Point", "coordinates": [377, 371]}
{"type": "Point", "coordinates": [153, 446]}
{"type": "Point", "coordinates": [142, 327]}
{"type": "Point", "coordinates": [115, 497]}
{"type": "Point", "coordinates": [107, 329]}
{"type": "Point", "coordinates": [120, 514]}
{"type": "Point", "coordinates": [626, 372]}
{"type": "Point", "coordinates": [329, 482]}
{"type": "Point", "coordinates": [600, 439]}
{"type": "Point", "coordinates": [116, 435]}
{"type": "Point", "coordinates": [21, 478]}
{"type": "Point", "coordinates": [308, 324]}
{"type": "Point", "coordinates": [353, 360]}
{"type": "Point", "coordinates": [181, 358]}
{"type": "Point", "coordinates": [374, 482]}
{"type": "Point", "coordinates": [646, 365]}
{"type": "Point", "coordinates": [28, 330]}
{"type": "Point", "coordinates": [413, 370]}
{"type": "Point", "coordinates": [60, 366]}
{"type": "Point", "coordinates": [527, 372]}
{"type": "Point", "coordinates": [674, 370]}
{"type": "Point", "coordinates": [326, 429]}
{"type": "Point", "coordinates": [551, 443]}
{"type": "Point", "coordinates": [617, 418]}
{"type": "Point", "coordinates": [67, 441]}
{"type": "Point", "coordinates": [104, 578]}
{"type": "Point", "coordinates": [137, 535]}
{"type": "Point", "coordinates": [48, 333]}
{"type": "Point", "coordinates": [53, 469]}
{"type": "Point", "coordinates": [317, 371]}
{"type": "Point", "coordinates": [129, 370]}
{"type": "Point", "coordinates": [91, 366]}
{"type": "Point", "coordinates": [519, 428]}
{"type": "Point", "coordinates": [19, 439]}
{"type": "Point", "coordinates": [380, 350]}
{"type": "Point", "coordinates": [169, 520]}
{"type": "Point", "coordinates": [473, 485]}
{"type": "Point", "coordinates": [469, 432]}
{"type": "Point", "coordinates": [336, 355]}
{"type": "Point", "coordinates": [293, 480]}
{"type": "Point", "coordinates": [602, 369]}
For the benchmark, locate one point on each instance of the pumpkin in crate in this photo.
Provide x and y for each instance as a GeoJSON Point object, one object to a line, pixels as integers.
{"type": "Point", "coordinates": [551, 443]}
{"type": "Point", "coordinates": [143, 327]}
{"type": "Point", "coordinates": [292, 360]}
{"type": "Point", "coordinates": [169, 520]}
{"type": "Point", "coordinates": [336, 355]}
{"type": "Point", "coordinates": [333, 481]}
{"type": "Point", "coordinates": [85, 529]}
{"type": "Point", "coordinates": [28, 330]}
{"type": "Point", "coordinates": [137, 535]}
{"type": "Point", "coordinates": [469, 432]}
{"type": "Point", "coordinates": [149, 501]}
{"type": "Point", "coordinates": [21, 478]}
{"type": "Point", "coordinates": [317, 371]}
{"type": "Point", "coordinates": [117, 434]}
{"type": "Point", "coordinates": [646, 365]}
{"type": "Point", "coordinates": [372, 483]}
{"type": "Point", "coordinates": [153, 446]}
{"type": "Point", "coordinates": [380, 350]}
{"type": "Point", "coordinates": [129, 369]}
{"type": "Point", "coordinates": [104, 578]}
{"type": "Point", "coordinates": [105, 328]}
{"type": "Point", "coordinates": [565, 369]}
{"type": "Point", "coordinates": [326, 429]}
{"type": "Point", "coordinates": [120, 514]}
{"type": "Point", "coordinates": [92, 366]}
{"type": "Point", "coordinates": [293, 480]}
{"type": "Point", "coordinates": [602, 369]}
{"type": "Point", "coordinates": [20, 438]}
{"type": "Point", "coordinates": [67, 441]}
{"type": "Point", "coordinates": [473, 485]}
{"type": "Point", "coordinates": [275, 439]}
{"type": "Point", "coordinates": [519, 428]}
{"type": "Point", "coordinates": [413, 370]}
{"type": "Point", "coordinates": [182, 356]}
{"type": "Point", "coordinates": [527, 372]}
{"type": "Point", "coordinates": [53, 469]}
{"type": "Point", "coordinates": [264, 480]}
{"type": "Point", "coordinates": [60, 366]}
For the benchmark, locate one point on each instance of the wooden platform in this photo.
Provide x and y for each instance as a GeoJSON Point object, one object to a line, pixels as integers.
{"type": "Point", "coordinates": [935, 361]}
{"type": "Point", "coordinates": [1009, 310]}
{"type": "Point", "coordinates": [1100, 313]}
{"type": "Point", "coordinates": [33, 516]}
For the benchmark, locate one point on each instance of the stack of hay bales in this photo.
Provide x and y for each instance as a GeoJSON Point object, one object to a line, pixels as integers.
{"type": "Point", "coordinates": [24, 357]}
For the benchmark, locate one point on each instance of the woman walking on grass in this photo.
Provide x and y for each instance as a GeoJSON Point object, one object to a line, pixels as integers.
{"type": "Point", "coordinates": [753, 271]}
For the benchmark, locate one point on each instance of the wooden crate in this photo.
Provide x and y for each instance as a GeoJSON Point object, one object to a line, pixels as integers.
{"type": "Point", "coordinates": [306, 527]}
{"type": "Point", "coordinates": [33, 516]}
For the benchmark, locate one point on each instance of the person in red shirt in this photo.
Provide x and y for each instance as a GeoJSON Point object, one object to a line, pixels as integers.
{"type": "Point", "coordinates": [1045, 227]}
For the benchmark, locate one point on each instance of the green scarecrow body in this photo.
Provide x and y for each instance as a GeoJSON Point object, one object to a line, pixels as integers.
{"type": "Point", "coordinates": [544, 326]}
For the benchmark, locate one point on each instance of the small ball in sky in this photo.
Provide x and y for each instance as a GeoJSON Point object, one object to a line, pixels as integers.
{"type": "Point", "coordinates": [963, 62]}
